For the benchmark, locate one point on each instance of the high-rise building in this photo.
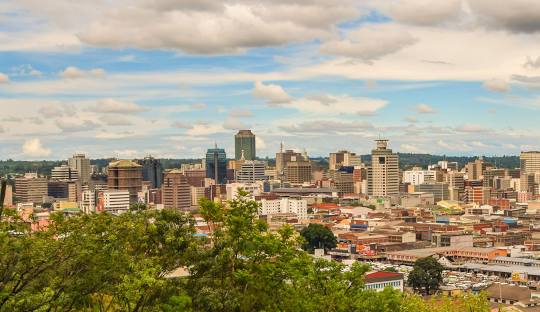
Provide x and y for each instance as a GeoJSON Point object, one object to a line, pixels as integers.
{"type": "Point", "coordinates": [31, 188]}
{"type": "Point", "coordinates": [176, 191]}
{"type": "Point", "coordinates": [244, 142]}
{"type": "Point", "coordinates": [343, 158]}
{"type": "Point", "coordinates": [383, 175]}
{"type": "Point", "coordinates": [64, 173]}
{"type": "Point", "coordinates": [283, 157]}
{"type": "Point", "coordinates": [152, 171]}
{"type": "Point", "coordinates": [216, 164]}
{"type": "Point", "coordinates": [251, 171]}
{"type": "Point", "coordinates": [475, 170]}
{"type": "Point", "coordinates": [125, 175]}
{"type": "Point", "coordinates": [343, 179]}
{"type": "Point", "coordinates": [81, 164]}
{"type": "Point", "coordinates": [530, 168]}
{"type": "Point", "coordinates": [298, 172]}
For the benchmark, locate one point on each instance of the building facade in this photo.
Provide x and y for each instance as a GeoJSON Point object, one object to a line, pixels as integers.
{"type": "Point", "coordinates": [31, 188]}
{"type": "Point", "coordinates": [81, 164]}
{"type": "Point", "coordinates": [216, 165]}
{"type": "Point", "coordinates": [383, 174]}
{"type": "Point", "coordinates": [176, 191]}
{"type": "Point", "coordinates": [125, 175]}
{"type": "Point", "coordinates": [244, 143]}
{"type": "Point", "coordinates": [152, 171]}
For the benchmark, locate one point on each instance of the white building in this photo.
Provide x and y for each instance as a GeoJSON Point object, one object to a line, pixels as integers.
{"type": "Point", "coordinates": [383, 174]}
{"type": "Point", "coordinates": [114, 201]}
{"type": "Point", "coordinates": [253, 189]}
{"type": "Point", "coordinates": [251, 171]}
{"type": "Point", "coordinates": [88, 201]}
{"type": "Point", "coordinates": [418, 176]}
{"type": "Point", "coordinates": [378, 281]}
{"type": "Point", "coordinates": [64, 173]}
{"type": "Point", "coordinates": [284, 205]}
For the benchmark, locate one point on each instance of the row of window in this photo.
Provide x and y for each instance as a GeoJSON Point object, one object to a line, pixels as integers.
{"type": "Point", "coordinates": [383, 285]}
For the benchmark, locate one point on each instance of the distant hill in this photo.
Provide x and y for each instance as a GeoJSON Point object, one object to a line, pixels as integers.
{"type": "Point", "coordinates": [406, 160]}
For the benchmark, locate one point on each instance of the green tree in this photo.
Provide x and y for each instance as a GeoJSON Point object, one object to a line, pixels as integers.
{"type": "Point", "coordinates": [318, 236]}
{"type": "Point", "coordinates": [426, 275]}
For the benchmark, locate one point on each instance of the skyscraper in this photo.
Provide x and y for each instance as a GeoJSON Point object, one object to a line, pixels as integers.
{"type": "Point", "coordinates": [251, 171]}
{"type": "Point", "coordinates": [81, 164]}
{"type": "Point", "coordinates": [530, 169]}
{"type": "Point", "coordinates": [125, 175]}
{"type": "Point", "coordinates": [383, 175]}
{"type": "Point", "coordinates": [152, 171]}
{"type": "Point", "coordinates": [216, 164]}
{"type": "Point", "coordinates": [343, 158]}
{"type": "Point", "coordinates": [31, 188]}
{"type": "Point", "coordinates": [64, 173]}
{"type": "Point", "coordinates": [244, 141]}
{"type": "Point", "coordinates": [283, 157]}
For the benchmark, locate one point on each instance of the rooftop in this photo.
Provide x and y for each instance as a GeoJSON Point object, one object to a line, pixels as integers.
{"type": "Point", "coordinates": [124, 163]}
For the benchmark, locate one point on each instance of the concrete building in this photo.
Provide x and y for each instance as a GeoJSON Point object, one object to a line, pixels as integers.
{"type": "Point", "coordinates": [475, 170]}
{"type": "Point", "coordinates": [478, 194]}
{"type": "Point", "coordinates": [418, 176]}
{"type": "Point", "coordinates": [530, 169]}
{"type": "Point", "coordinates": [298, 172]}
{"type": "Point", "coordinates": [64, 173]}
{"type": "Point", "coordinates": [378, 281]}
{"type": "Point", "coordinates": [251, 171]}
{"type": "Point", "coordinates": [152, 171]}
{"type": "Point", "coordinates": [439, 190]}
{"type": "Point", "coordinates": [343, 158]}
{"type": "Point", "coordinates": [244, 142]}
{"type": "Point", "coordinates": [8, 199]}
{"type": "Point", "coordinates": [81, 164]}
{"type": "Point", "coordinates": [343, 180]}
{"type": "Point", "coordinates": [284, 205]}
{"type": "Point", "coordinates": [383, 174]}
{"type": "Point", "coordinates": [451, 240]}
{"type": "Point", "coordinates": [254, 189]}
{"type": "Point", "coordinates": [113, 201]}
{"type": "Point", "coordinates": [283, 157]}
{"type": "Point", "coordinates": [125, 175]}
{"type": "Point", "coordinates": [88, 201]}
{"type": "Point", "coordinates": [31, 188]}
{"type": "Point", "coordinates": [176, 191]}
{"type": "Point", "coordinates": [216, 164]}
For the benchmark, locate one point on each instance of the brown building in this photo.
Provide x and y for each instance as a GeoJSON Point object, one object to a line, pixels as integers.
{"type": "Point", "coordinates": [31, 188]}
{"type": "Point", "coordinates": [298, 172]}
{"type": "Point", "coordinates": [125, 175]}
{"type": "Point", "coordinates": [176, 191]}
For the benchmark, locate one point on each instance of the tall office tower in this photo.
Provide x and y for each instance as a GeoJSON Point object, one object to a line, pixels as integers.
{"type": "Point", "coordinates": [176, 191]}
{"type": "Point", "coordinates": [216, 164]}
{"type": "Point", "coordinates": [64, 173]}
{"type": "Point", "coordinates": [283, 157]}
{"type": "Point", "coordinates": [383, 175]}
{"type": "Point", "coordinates": [152, 171]}
{"type": "Point", "coordinates": [125, 175]}
{"type": "Point", "coordinates": [475, 170]}
{"type": "Point", "coordinates": [31, 188]}
{"type": "Point", "coordinates": [80, 163]}
{"type": "Point", "coordinates": [343, 179]}
{"type": "Point", "coordinates": [244, 141]}
{"type": "Point", "coordinates": [530, 167]}
{"type": "Point", "coordinates": [298, 172]}
{"type": "Point", "coordinates": [343, 158]}
{"type": "Point", "coordinates": [251, 171]}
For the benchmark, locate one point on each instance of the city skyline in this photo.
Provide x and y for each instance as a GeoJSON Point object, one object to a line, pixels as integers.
{"type": "Point", "coordinates": [104, 85]}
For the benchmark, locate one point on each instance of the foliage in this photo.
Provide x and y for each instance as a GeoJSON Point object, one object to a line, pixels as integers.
{"type": "Point", "coordinates": [318, 236]}
{"type": "Point", "coordinates": [426, 275]}
{"type": "Point", "coordinates": [102, 262]}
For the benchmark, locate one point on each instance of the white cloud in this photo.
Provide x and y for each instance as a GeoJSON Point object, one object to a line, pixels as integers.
{"type": "Point", "coordinates": [424, 109]}
{"type": "Point", "coordinates": [260, 143]}
{"type": "Point", "coordinates": [111, 106]}
{"type": "Point", "coordinates": [233, 123]}
{"type": "Point", "coordinates": [4, 78]}
{"type": "Point", "coordinates": [370, 42]}
{"type": "Point", "coordinates": [116, 120]}
{"type": "Point", "coordinates": [473, 128]}
{"type": "Point", "coordinates": [240, 113]}
{"type": "Point", "coordinates": [202, 129]}
{"type": "Point", "coordinates": [421, 12]}
{"type": "Point", "coordinates": [335, 105]}
{"type": "Point", "coordinates": [272, 93]}
{"type": "Point", "coordinates": [73, 125]}
{"type": "Point", "coordinates": [409, 148]}
{"type": "Point", "coordinates": [411, 119]}
{"type": "Point", "coordinates": [114, 135]}
{"type": "Point", "coordinates": [497, 85]}
{"type": "Point", "coordinates": [326, 127]}
{"type": "Point", "coordinates": [33, 148]}
{"type": "Point", "coordinates": [72, 72]}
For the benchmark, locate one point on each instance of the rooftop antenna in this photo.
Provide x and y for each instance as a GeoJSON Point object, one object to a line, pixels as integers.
{"type": "Point", "coordinates": [281, 147]}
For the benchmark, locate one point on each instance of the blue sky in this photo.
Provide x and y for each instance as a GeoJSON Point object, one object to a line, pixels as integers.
{"type": "Point", "coordinates": [170, 78]}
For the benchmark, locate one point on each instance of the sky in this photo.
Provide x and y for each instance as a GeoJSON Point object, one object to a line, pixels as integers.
{"type": "Point", "coordinates": [171, 78]}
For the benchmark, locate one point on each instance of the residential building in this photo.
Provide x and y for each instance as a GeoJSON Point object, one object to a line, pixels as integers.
{"type": "Point", "coordinates": [418, 176]}
{"type": "Point", "coordinates": [284, 205]}
{"type": "Point", "coordinates": [383, 174]}
{"type": "Point", "coordinates": [125, 175]}
{"type": "Point", "coordinates": [244, 143]}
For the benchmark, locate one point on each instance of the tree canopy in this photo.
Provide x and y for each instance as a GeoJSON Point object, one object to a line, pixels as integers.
{"type": "Point", "coordinates": [102, 262]}
{"type": "Point", "coordinates": [317, 236]}
{"type": "Point", "coordinates": [426, 275]}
